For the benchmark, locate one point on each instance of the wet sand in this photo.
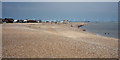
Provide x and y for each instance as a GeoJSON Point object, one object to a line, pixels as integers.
{"type": "Point", "coordinates": [45, 40]}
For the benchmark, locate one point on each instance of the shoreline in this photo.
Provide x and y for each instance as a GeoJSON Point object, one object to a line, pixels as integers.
{"type": "Point", "coordinates": [75, 24]}
{"type": "Point", "coordinates": [89, 28]}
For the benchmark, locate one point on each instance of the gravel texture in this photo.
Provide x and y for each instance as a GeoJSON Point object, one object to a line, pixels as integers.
{"type": "Point", "coordinates": [45, 40]}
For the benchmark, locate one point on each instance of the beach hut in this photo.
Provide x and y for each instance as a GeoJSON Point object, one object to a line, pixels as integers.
{"type": "Point", "coordinates": [47, 21]}
{"type": "Point", "coordinates": [15, 21]}
{"type": "Point", "coordinates": [65, 21]}
{"type": "Point", "coordinates": [32, 21]}
{"type": "Point", "coordinates": [8, 20]}
{"type": "Point", "coordinates": [20, 21]}
{"type": "Point", "coordinates": [25, 20]}
{"type": "Point", "coordinates": [38, 21]}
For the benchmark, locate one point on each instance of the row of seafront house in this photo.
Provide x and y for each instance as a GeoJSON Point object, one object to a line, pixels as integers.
{"type": "Point", "coordinates": [11, 20]}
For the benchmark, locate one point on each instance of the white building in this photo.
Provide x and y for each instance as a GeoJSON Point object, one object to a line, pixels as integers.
{"type": "Point", "coordinates": [15, 21]}
{"type": "Point", "coordinates": [25, 20]}
{"type": "Point", "coordinates": [65, 21]}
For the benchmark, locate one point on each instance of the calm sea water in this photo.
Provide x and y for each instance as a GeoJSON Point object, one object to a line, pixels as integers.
{"type": "Point", "coordinates": [103, 27]}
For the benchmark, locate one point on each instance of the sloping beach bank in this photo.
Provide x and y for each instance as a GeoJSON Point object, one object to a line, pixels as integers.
{"type": "Point", "coordinates": [45, 40]}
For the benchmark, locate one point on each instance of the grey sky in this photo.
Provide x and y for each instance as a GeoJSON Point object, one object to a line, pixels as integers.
{"type": "Point", "coordinates": [56, 10]}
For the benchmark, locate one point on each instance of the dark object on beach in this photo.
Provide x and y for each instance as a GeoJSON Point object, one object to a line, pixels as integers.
{"type": "Point", "coordinates": [8, 20]}
{"type": "Point", "coordinates": [105, 33]}
{"type": "Point", "coordinates": [32, 21]}
{"type": "Point", "coordinates": [52, 22]}
{"type": "Point", "coordinates": [88, 21]}
{"type": "Point", "coordinates": [71, 25]}
{"type": "Point", "coordinates": [55, 22]}
{"type": "Point", "coordinates": [47, 21]}
{"type": "Point", "coordinates": [65, 21]}
{"type": "Point", "coordinates": [0, 20]}
{"type": "Point", "coordinates": [80, 26]}
{"type": "Point", "coordinates": [40, 21]}
{"type": "Point", "coordinates": [84, 30]}
{"type": "Point", "coordinates": [20, 21]}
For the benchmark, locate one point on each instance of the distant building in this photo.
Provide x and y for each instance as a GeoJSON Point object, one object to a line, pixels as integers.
{"type": "Point", "coordinates": [65, 21]}
{"type": "Point", "coordinates": [20, 21]}
{"type": "Point", "coordinates": [38, 21]}
{"type": "Point", "coordinates": [25, 20]}
{"type": "Point", "coordinates": [8, 20]}
{"type": "Point", "coordinates": [32, 21]}
{"type": "Point", "coordinates": [47, 21]}
{"type": "Point", "coordinates": [15, 21]}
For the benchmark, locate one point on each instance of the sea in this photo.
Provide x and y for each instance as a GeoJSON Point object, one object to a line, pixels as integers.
{"type": "Point", "coordinates": [108, 29]}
